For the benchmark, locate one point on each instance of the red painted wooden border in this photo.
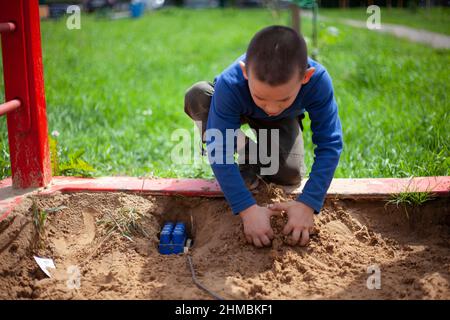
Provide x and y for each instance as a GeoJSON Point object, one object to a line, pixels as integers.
{"type": "Point", "coordinates": [340, 188]}
{"type": "Point", "coordinates": [23, 77]}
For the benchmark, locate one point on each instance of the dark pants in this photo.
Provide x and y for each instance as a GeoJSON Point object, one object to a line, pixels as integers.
{"type": "Point", "coordinates": [290, 145]}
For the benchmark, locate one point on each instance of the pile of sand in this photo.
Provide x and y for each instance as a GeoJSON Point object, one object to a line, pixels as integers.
{"type": "Point", "coordinates": [411, 251]}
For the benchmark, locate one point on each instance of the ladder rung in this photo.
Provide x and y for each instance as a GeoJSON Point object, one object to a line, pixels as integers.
{"type": "Point", "coordinates": [7, 27]}
{"type": "Point", "coordinates": [9, 106]}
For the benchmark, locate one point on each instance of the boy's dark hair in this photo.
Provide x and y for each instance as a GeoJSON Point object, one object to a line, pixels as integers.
{"type": "Point", "coordinates": [275, 53]}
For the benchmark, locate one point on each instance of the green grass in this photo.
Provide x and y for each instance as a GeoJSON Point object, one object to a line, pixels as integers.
{"type": "Point", "coordinates": [412, 198]}
{"type": "Point", "coordinates": [434, 19]}
{"type": "Point", "coordinates": [116, 89]}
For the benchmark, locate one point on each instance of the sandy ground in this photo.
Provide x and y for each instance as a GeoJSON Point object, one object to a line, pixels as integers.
{"type": "Point", "coordinates": [411, 250]}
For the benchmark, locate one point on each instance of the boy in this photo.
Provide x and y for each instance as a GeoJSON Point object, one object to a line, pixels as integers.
{"type": "Point", "coordinates": [270, 87]}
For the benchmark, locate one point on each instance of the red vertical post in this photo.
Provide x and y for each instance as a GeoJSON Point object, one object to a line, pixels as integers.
{"type": "Point", "coordinates": [24, 81]}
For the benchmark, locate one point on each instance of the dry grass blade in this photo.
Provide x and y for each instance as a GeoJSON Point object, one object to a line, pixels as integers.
{"type": "Point", "coordinates": [126, 221]}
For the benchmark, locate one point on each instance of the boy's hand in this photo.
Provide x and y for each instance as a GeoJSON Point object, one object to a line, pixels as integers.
{"type": "Point", "coordinates": [257, 229]}
{"type": "Point", "coordinates": [300, 220]}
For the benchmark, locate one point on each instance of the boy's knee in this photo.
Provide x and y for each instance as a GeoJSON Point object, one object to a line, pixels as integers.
{"type": "Point", "coordinates": [197, 99]}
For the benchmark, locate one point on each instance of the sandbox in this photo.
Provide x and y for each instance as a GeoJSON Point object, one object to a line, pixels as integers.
{"type": "Point", "coordinates": [408, 246]}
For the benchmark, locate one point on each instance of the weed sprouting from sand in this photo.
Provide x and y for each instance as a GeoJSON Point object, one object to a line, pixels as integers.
{"type": "Point", "coordinates": [39, 220]}
{"type": "Point", "coordinates": [410, 197]}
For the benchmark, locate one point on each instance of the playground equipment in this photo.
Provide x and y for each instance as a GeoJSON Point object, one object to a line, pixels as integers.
{"type": "Point", "coordinates": [24, 93]}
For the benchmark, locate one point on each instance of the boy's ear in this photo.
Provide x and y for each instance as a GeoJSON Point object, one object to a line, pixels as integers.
{"type": "Point", "coordinates": [244, 70]}
{"type": "Point", "coordinates": [308, 74]}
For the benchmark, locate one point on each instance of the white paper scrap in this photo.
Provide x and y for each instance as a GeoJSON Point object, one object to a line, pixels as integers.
{"type": "Point", "coordinates": [44, 264]}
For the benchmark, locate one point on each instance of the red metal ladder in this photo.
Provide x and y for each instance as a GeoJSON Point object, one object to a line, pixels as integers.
{"type": "Point", "coordinates": [24, 93]}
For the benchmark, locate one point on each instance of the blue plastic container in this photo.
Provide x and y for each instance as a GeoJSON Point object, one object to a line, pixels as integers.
{"type": "Point", "coordinates": [166, 233]}
{"type": "Point", "coordinates": [172, 238]}
{"type": "Point", "coordinates": [137, 8]}
{"type": "Point", "coordinates": [179, 234]}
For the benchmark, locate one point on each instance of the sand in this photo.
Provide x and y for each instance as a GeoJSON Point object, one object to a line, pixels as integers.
{"type": "Point", "coordinates": [410, 249]}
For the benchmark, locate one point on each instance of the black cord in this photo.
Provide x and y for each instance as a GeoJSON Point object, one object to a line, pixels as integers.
{"type": "Point", "coordinates": [197, 283]}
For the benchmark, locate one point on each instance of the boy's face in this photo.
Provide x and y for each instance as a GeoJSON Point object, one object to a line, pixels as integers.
{"type": "Point", "coordinates": [273, 100]}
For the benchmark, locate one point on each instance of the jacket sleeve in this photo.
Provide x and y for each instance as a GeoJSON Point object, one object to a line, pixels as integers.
{"type": "Point", "coordinates": [223, 120]}
{"type": "Point", "coordinates": [327, 136]}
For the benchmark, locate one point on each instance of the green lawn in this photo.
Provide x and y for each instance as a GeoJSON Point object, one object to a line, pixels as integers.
{"type": "Point", "coordinates": [116, 89]}
{"type": "Point", "coordinates": [434, 19]}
